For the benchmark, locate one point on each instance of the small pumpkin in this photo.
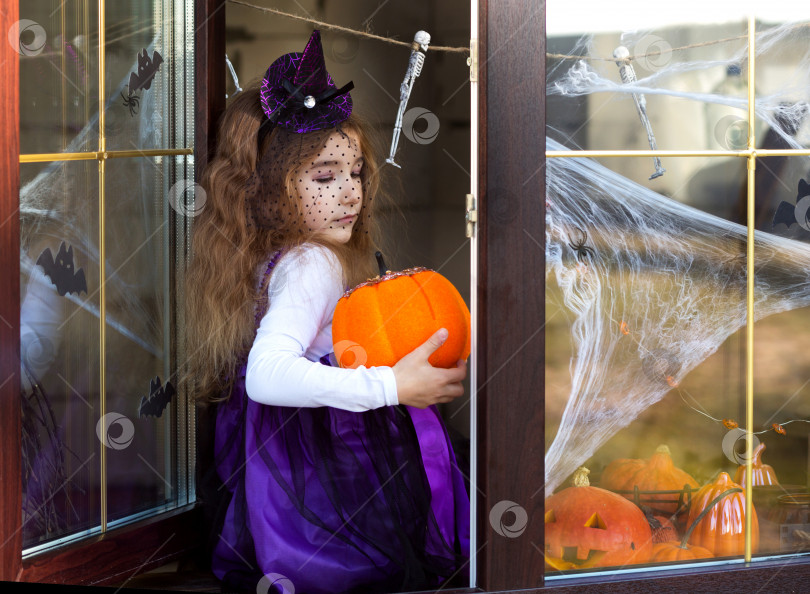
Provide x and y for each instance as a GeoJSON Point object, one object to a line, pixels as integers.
{"type": "Point", "coordinates": [673, 550]}
{"type": "Point", "coordinates": [677, 551]}
{"type": "Point", "coordinates": [387, 317]}
{"type": "Point", "coordinates": [762, 475]}
{"type": "Point", "coordinates": [722, 529]}
{"type": "Point", "coordinates": [590, 527]}
{"type": "Point", "coordinates": [658, 473]}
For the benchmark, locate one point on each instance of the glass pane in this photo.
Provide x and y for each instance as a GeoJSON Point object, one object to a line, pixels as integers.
{"type": "Point", "coordinates": [688, 69]}
{"type": "Point", "coordinates": [783, 86]}
{"type": "Point", "coordinates": [781, 412]}
{"type": "Point", "coordinates": [139, 259]}
{"type": "Point", "coordinates": [688, 66]}
{"type": "Point", "coordinates": [646, 305]}
{"type": "Point", "coordinates": [144, 430]}
{"type": "Point", "coordinates": [148, 77]}
{"type": "Point", "coordinates": [58, 76]}
{"type": "Point", "coordinates": [645, 301]}
{"type": "Point", "coordinates": [60, 351]}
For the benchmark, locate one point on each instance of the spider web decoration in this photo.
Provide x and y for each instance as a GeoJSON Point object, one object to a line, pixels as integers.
{"type": "Point", "coordinates": [654, 286]}
{"type": "Point", "coordinates": [54, 205]}
{"type": "Point", "coordinates": [659, 289]}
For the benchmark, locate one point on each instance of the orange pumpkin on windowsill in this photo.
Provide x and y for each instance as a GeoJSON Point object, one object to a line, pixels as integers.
{"type": "Point", "coordinates": [762, 475]}
{"type": "Point", "coordinates": [722, 529]}
{"type": "Point", "coordinates": [656, 474]}
{"type": "Point", "coordinates": [590, 527]}
{"type": "Point", "coordinates": [673, 550]}
{"type": "Point", "coordinates": [380, 321]}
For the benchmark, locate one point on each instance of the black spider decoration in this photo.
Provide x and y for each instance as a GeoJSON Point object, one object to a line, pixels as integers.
{"type": "Point", "coordinates": [580, 247]}
{"type": "Point", "coordinates": [132, 102]}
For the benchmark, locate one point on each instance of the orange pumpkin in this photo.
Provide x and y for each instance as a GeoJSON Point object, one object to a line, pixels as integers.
{"type": "Point", "coordinates": [762, 475]}
{"type": "Point", "coordinates": [722, 528]}
{"type": "Point", "coordinates": [385, 318]}
{"type": "Point", "coordinates": [673, 550]}
{"type": "Point", "coordinates": [656, 474]}
{"type": "Point", "coordinates": [591, 527]}
{"type": "Point", "coordinates": [677, 551]}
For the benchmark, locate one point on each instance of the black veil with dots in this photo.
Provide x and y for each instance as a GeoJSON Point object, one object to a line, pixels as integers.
{"type": "Point", "coordinates": [274, 206]}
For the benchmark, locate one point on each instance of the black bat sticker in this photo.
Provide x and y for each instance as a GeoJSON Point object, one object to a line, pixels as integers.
{"type": "Point", "coordinates": [142, 79]}
{"type": "Point", "coordinates": [159, 398]}
{"type": "Point", "coordinates": [60, 271]}
{"type": "Point", "coordinates": [786, 212]}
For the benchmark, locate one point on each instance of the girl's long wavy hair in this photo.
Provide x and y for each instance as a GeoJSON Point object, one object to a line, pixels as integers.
{"type": "Point", "coordinates": [229, 249]}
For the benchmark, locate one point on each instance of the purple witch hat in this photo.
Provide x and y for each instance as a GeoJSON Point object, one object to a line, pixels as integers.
{"type": "Point", "coordinates": [298, 94]}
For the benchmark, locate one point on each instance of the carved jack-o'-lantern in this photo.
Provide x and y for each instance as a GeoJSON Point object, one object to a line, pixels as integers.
{"type": "Point", "coordinates": [591, 527]}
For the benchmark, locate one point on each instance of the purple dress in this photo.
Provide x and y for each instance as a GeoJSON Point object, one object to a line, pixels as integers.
{"type": "Point", "coordinates": [324, 500]}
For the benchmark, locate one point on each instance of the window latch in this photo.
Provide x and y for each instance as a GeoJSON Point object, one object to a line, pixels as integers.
{"type": "Point", "coordinates": [470, 215]}
{"type": "Point", "coordinates": [472, 60]}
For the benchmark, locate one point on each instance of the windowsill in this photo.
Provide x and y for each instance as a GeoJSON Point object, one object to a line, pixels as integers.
{"type": "Point", "coordinates": [121, 553]}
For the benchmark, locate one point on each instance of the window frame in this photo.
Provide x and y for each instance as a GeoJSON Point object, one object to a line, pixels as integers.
{"type": "Point", "coordinates": [510, 241]}
{"type": "Point", "coordinates": [120, 553]}
{"type": "Point", "coordinates": [686, 577]}
{"type": "Point", "coordinates": [10, 411]}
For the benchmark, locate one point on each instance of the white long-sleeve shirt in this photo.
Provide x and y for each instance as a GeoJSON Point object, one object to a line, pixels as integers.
{"type": "Point", "coordinates": [283, 365]}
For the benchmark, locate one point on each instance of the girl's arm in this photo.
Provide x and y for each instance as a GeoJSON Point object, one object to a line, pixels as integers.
{"type": "Point", "coordinates": [304, 289]}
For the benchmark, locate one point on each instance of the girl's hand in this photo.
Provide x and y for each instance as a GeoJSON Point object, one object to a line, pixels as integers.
{"type": "Point", "coordinates": [420, 384]}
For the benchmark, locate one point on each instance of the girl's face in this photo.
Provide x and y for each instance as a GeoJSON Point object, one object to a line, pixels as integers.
{"type": "Point", "coordinates": [330, 188]}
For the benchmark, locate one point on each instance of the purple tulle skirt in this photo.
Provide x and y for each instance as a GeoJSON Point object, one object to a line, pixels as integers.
{"type": "Point", "coordinates": [324, 500]}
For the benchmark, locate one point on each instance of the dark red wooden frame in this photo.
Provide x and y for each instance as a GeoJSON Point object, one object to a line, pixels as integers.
{"type": "Point", "coordinates": [10, 460]}
{"type": "Point", "coordinates": [511, 284]}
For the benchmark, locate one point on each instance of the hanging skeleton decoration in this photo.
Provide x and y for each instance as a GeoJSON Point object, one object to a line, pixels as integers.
{"type": "Point", "coordinates": [420, 45]}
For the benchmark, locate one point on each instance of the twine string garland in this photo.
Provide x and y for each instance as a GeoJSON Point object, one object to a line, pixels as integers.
{"type": "Point", "coordinates": [466, 50]}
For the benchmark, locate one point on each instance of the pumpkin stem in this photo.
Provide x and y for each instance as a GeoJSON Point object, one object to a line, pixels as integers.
{"type": "Point", "coordinates": [663, 449]}
{"type": "Point", "coordinates": [380, 262]}
{"type": "Point", "coordinates": [702, 514]}
{"type": "Point", "coordinates": [581, 477]}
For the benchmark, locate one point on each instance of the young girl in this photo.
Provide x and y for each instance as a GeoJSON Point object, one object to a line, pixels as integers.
{"type": "Point", "coordinates": [336, 480]}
